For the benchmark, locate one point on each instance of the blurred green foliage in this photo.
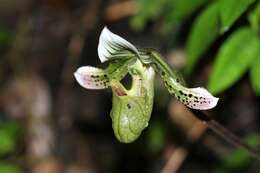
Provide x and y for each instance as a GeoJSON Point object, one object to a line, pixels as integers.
{"type": "Point", "coordinates": [234, 58]}
{"type": "Point", "coordinates": [239, 159]}
{"type": "Point", "coordinates": [174, 11]}
{"type": "Point", "coordinates": [5, 37]}
{"type": "Point", "coordinates": [10, 132]}
{"type": "Point", "coordinates": [254, 18]}
{"type": "Point", "coordinates": [237, 54]}
{"type": "Point", "coordinates": [151, 12]}
{"type": "Point", "coordinates": [8, 168]}
{"type": "Point", "coordinates": [230, 10]}
{"type": "Point", "coordinates": [205, 30]}
{"type": "Point", "coordinates": [156, 136]}
{"type": "Point", "coordinates": [177, 10]}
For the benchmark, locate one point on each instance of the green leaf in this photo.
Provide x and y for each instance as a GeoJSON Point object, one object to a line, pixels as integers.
{"type": "Point", "coordinates": [177, 10]}
{"type": "Point", "coordinates": [8, 168]}
{"type": "Point", "coordinates": [233, 59]}
{"type": "Point", "coordinates": [231, 10]}
{"type": "Point", "coordinates": [184, 8]}
{"type": "Point", "coordinates": [204, 31]}
{"type": "Point", "coordinates": [255, 75]}
{"type": "Point", "coordinates": [254, 18]}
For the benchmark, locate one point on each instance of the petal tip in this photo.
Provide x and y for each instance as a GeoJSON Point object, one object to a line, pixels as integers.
{"type": "Point", "coordinates": [202, 100]}
{"type": "Point", "coordinates": [213, 101]}
{"type": "Point", "coordinates": [78, 78]}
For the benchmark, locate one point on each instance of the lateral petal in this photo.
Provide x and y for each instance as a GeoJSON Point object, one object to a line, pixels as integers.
{"type": "Point", "coordinates": [91, 77]}
{"type": "Point", "coordinates": [197, 98]}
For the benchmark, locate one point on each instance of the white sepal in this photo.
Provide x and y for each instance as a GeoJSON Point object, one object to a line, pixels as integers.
{"type": "Point", "coordinates": [111, 45]}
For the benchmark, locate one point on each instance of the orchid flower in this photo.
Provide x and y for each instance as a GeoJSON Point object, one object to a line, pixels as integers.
{"type": "Point", "coordinates": [131, 109]}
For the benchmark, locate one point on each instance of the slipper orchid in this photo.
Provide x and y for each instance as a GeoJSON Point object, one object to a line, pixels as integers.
{"type": "Point", "coordinates": [131, 109]}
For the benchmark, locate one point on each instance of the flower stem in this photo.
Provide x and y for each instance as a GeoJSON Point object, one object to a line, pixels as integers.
{"type": "Point", "coordinates": [226, 134]}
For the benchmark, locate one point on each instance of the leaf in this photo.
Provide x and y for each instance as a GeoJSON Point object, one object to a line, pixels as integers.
{"type": "Point", "coordinates": [204, 31]}
{"type": "Point", "coordinates": [231, 10]}
{"type": "Point", "coordinates": [254, 18]}
{"type": "Point", "coordinates": [233, 59]}
{"type": "Point", "coordinates": [179, 9]}
{"type": "Point", "coordinates": [255, 75]}
{"type": "Point", "coordinates": [184, 7]}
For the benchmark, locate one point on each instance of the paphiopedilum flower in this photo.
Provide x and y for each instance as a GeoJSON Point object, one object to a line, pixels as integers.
{"type": "Point", "coordinates": [131, 109]}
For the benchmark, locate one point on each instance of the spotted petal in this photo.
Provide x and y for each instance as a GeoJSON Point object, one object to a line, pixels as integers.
{"type": "Point", "coordinates": [112, 46]}
{"type": "Point", "coordinates": [91, 77]}
{"type": "Point", "coordinates": [197, 98]}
